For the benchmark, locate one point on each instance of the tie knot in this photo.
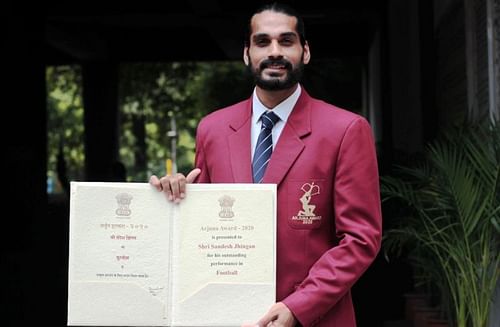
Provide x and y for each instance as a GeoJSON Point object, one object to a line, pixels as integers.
{"type": "Point", "coordinates": [268, 119]}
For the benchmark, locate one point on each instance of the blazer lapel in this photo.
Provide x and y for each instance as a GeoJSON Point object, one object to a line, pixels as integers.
{"type": "Point", "coordinates": [239, 144]}
{"type": "Point", "coordinates": [290, 143]}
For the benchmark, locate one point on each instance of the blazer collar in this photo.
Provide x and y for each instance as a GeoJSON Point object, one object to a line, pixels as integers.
{"type": "Point", "coordinates": [243, 115]}
{"type": "Point", "coordinates": [290, 143]}
{"type": "Point", "coordinates": [239, 143]}
{"type": "Point", "coordinates": [286, 151]}
{"type": "Point", "coordinates": [300, 118]}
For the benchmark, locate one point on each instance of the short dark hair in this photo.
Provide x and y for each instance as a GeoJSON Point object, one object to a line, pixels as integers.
{"type": "Point", "coordinates": [278, 8]}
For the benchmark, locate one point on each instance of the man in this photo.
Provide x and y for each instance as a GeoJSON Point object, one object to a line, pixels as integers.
{"type": "Point", "coordinates": [323, 161]}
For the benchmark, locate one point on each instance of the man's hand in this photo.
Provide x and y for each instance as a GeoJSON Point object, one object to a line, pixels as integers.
{"type": "Point", "coordinates": [174, 186]}
{"type": "Point", "coordinates": [278, 316]}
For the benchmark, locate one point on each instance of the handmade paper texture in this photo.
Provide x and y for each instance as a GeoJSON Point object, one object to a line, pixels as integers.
{"type": "Point", "coordinates": [138, 260]}
{"type": "Point", "coordinates": [224, 236]}
{"type": "Point", "coordinates": [119, 255]}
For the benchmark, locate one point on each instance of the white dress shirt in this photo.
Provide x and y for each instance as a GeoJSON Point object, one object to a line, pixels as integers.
{"type": "Point", "coordinates": [282, 110]}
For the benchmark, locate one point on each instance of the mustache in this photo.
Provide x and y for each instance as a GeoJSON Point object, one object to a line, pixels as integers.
{"type": "Point", "coordinates": [280, 62]}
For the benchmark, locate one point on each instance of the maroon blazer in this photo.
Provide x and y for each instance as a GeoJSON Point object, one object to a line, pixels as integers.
{"type": "Point", "coordinates": [329, 217]}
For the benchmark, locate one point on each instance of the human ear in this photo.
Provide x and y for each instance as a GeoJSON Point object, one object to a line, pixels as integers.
{"type": "Point", "coordinates": [246, 58]}
{"type": "Point", "coordinates": [307, 54]}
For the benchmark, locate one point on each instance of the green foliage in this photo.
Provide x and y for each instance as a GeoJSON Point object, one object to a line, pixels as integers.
{"type": "Point", "coordinates": [152, 94]}
{"type": "Point", "coordinates": [65, 120]}
{"type": "Point", "coordinates": [452, 213]}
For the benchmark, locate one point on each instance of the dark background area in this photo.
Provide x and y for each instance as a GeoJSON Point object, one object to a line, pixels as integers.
{"type": "Point", "coordinates": [411, 59]}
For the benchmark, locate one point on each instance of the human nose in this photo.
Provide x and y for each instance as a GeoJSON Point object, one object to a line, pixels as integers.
{"type": "Point", "coordinates": [275, 49]}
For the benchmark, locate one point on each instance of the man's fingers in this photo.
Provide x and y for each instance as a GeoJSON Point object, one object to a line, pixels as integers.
{"type": "Point", "coordinates": [174, 186]}
{"type": "Point", "coordinates": [278, 315]}
{"type": "Point", "coordinates": [192, 175]}
{"type": "Point", "coordinates": [190, 178]}
{"type": "Point", "coordinates": [155, 181]}
{"type": "Point", "coordinates": [267, 319]}
{"type": "Point", "coordinates": [165, 182]}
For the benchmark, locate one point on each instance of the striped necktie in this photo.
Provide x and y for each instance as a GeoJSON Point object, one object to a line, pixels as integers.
{"type": "Point", "coordinates": [264, 147]}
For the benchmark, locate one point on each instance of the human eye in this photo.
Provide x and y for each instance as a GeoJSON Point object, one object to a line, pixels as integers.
{"type": "Point", "coordinates": [261, 42]}
{"type": "Point", "coordinates": [288, 40]}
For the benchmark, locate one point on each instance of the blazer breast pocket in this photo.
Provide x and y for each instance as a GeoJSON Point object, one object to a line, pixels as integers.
{"type": "Point", "coordinates": [306, 203]}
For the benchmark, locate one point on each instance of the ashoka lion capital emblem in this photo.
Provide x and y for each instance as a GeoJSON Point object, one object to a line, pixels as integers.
{"type": "Point", "coordinates": [226, 204]}
{"type": "Point", "coordinates": [123, 200]}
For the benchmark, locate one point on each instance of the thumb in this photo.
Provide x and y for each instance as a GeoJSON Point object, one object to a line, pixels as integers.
{"type": "Point", "coordinates": [264, 321]}
{"type": "Point", "coordinates": [192, 175]}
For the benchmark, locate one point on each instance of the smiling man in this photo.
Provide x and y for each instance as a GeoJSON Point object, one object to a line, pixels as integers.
{"type": "Point", "coordinates": [322, 159]}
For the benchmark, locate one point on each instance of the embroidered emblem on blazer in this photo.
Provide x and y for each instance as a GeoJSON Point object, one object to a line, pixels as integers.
{"type": "Point", "coordinates": [307, 215]}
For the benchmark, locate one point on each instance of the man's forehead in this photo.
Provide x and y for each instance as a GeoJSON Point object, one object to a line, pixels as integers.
{"type": "Point", "coordinates": [270, 22]}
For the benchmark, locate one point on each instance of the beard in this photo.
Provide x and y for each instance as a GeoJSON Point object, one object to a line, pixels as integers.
{"type": "Point", "coordinates": [275, 83]}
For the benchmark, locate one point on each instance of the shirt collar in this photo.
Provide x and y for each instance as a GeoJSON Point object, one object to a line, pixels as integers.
{"type": "Point", "coordinates": [282, 110]}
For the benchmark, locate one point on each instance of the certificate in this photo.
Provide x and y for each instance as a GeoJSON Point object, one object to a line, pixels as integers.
{"type": "Point", "coordinates": [137, 259]}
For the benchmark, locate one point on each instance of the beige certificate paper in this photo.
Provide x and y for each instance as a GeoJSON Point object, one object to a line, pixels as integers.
{"type": "Point", "coordinates": [135, 259]}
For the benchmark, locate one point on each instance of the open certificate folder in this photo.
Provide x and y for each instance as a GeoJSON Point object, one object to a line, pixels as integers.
{"type": "Point", "coordinates": [136, 259]}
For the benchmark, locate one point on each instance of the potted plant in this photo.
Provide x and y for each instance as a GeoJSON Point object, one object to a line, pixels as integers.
{"type": "Point", "coordinates": [451, 217]}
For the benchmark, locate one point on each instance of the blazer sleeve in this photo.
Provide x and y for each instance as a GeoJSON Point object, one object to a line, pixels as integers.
{"type": "Point", "coordinates": [358, 221]}
{"type": "Point", "coordinates": [200, 160]}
